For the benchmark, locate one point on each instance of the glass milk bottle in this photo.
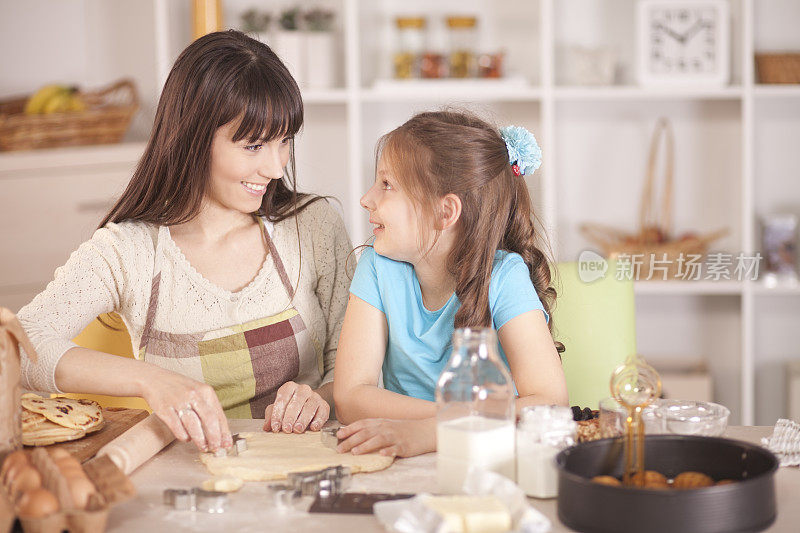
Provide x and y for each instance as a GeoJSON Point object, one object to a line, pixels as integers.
{"type": "Point", "coordinates": [476, 412]}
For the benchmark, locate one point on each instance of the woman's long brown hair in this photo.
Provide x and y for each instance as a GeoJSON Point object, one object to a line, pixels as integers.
{"type": "Point", "coordinates": [444, 152]}
{"type": "Point", "coordinates": [220, 78]}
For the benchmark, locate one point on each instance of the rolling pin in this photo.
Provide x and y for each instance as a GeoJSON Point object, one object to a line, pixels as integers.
{"type": "Point", "coordinates": [141, 442]}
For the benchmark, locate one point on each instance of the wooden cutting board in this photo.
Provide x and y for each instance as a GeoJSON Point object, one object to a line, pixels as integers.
{"type": "Point", "coordinates": [118, 421]}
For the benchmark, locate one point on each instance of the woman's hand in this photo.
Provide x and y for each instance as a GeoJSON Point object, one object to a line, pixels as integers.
{"type": "Point", "coordinates": [401, 438]}
{"type": "Point", "coordinates": [296, 408]}
{"type": "Point", "coordinates": [189, 408]}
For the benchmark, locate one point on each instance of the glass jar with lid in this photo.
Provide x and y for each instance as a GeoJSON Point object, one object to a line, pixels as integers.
{"type": "Point", "coordinates": [475, 411]}
{"type": "Point", "coordinates": [490, 65]}
{"type": "Point", "coordinates": [410, 46]}
{"type": "Point", "coordinates": [462, 31]}
{"type": "Point", "coordinates": [433, 62]}
{"type": "Point", "coordinates": [432, 65]}
{"type": "Point", "coordinates": [543, 431]}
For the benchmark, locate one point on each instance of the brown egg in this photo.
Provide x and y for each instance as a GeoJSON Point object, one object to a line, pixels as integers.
{"type": "Point", "coordinates": [73, 473]}
{"type": "Point", "coordinates": [69, 466]}
{"type": "Point", "coordinates": [13, 472]}
{"type": "Point", "coordinates": [14, 458]}
{"type": "Point", "coordinates": [58, 453]}
{"type": "Point", "coordinates": [27, 478]}
{"type": "Point", "coordinates": [12, 462]}
{"type": "Point", "coordinates": [37, 503]}
{"type": "Point", "coordinates": [607, 480]}
{"type": "Point", "coordinates": [64, 461]}
{"type": "Point", "coordinates": [80, 488]}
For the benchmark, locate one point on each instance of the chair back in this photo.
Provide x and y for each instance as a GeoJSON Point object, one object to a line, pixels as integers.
{"type": "Point", "coordinates": [596, 322]}
{"type": "Point", "coordinates": [111, 337]}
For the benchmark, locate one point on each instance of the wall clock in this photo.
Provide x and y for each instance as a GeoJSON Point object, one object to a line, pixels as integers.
{"type": "Point", "coordinates": [683, 42]}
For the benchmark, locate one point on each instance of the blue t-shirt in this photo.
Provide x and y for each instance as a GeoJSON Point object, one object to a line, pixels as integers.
{"type": "Point", "coordinates": [420, 341]}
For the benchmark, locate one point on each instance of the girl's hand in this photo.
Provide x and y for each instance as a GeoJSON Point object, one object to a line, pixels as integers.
{"type": "Point", "coordinates": [296, 408]}
{"type": "Point", "coordinates": [189, 408]}
{"type": "Point", "coordinates": [401, 438]}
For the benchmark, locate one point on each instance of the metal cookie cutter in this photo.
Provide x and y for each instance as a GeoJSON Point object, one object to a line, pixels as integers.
{"type": "Point", "coordinates": [283, 496]}
{"type": "Point", "coordinates": [339, 477]}
{"type": "Point", "coordinates": [210, 501]}
{"type": "Point", "coordinates": [196, 499]}
{"type": "Point", "coordinates": [180, 499]}
{"type": "Point", "coordinates": [329, 438]}
{"type": "Point", "coordinates": [324, 483]}
{"type": "Point", "coordinates": [332, 480]}
{"type": "Point", "coordinates": [239, 445]}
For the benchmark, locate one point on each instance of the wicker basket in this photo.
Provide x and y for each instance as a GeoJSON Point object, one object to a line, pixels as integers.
{"type": "Point", "coordinates": [778, 67]}
{"type": "Point", "coordinates": [106, 119]}
{"type": "Point", "coordinates": [653, 243]}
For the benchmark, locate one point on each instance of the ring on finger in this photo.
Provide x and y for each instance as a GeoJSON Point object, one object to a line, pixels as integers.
{"type": "Point", "coordinates": [185, 410]}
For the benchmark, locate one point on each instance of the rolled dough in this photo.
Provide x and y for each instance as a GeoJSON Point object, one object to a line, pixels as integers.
{"type": "Point", "coordinates": [271, 456]}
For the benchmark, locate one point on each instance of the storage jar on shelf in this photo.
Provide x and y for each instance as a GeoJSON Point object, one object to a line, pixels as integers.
{"type": "Point", "coordinates": [410, 46]}
{"type": "Point", "coordinates": [462, 31]}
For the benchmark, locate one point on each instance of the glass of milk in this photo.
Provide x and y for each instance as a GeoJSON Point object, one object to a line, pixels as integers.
{"type": "Point", "coordinates": [476, 415]}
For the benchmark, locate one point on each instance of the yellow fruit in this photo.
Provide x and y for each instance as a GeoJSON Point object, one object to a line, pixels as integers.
{"type": "Point", "coordinates": [76, 103]}
{"type": "Point", "coordinates": [57, 103]}
{"type": "Point", "coordinates": [36, 103]}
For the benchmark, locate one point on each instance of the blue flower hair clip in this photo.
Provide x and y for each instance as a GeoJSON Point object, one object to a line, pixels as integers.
{"type": "Point", "coordinates": [524, 153]}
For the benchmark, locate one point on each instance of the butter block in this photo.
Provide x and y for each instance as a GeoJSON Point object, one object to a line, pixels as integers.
{"type": "Point", "coordinates": [471, 514]}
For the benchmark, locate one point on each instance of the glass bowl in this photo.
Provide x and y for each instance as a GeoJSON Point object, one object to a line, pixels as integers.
{"type": "Point", "coordinates": [689, 417]}
{"type": "Point", "coordinates": [613, 415]}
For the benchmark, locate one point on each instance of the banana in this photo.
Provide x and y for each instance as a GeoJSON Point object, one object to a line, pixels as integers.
{"type": "Point", "coordinates": [76, 103]}
{"type": "Point", "coordinates": [36, 103]}
{"type": "Point", "coordinates": [58, 103]}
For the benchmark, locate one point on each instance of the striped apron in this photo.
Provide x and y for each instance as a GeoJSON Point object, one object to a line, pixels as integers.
{"type": "Point", "coordinates": [244, 363]}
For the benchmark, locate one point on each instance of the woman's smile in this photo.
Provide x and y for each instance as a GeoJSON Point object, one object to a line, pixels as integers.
{"type": "Point", "coordinates": [256, 189]}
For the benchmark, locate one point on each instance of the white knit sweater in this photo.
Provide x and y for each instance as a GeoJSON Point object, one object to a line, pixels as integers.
{"type": "Point", "coordinates": [114, 269]}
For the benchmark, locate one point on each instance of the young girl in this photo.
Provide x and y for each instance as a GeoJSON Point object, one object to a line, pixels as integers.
{"type": "Point", "coordinates": [454, 246]}
{"type": "Point", "coordinates": [232, 285]}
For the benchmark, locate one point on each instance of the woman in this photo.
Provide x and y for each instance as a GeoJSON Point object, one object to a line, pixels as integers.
{"type": "Point", "coordinates": [232, 285]}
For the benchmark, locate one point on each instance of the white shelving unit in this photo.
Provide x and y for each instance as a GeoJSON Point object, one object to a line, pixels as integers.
{"type": "Point", "coordinates": [735, 147]}
{"type": "Point", "coordinates": [632, 93]}
{"type": "Point", "coordinates": [689, 288]}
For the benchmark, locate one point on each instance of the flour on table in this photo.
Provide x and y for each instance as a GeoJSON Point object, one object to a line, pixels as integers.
{"type": "Point", "coordinates": [271, 456]}
{"type": "Point", "coordinates": [222, 484]}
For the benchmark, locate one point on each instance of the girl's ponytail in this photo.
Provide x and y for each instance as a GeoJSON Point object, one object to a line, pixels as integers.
{"type": "Point", "coordinates": [521, 237]}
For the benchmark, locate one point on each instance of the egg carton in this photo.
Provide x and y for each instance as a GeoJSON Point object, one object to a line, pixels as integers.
{"type": "Point", "coordinates": [112, 485]}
